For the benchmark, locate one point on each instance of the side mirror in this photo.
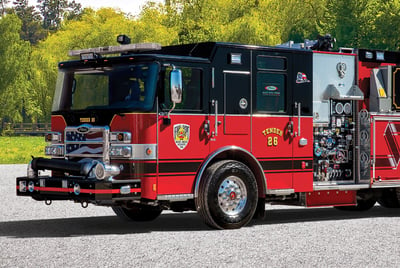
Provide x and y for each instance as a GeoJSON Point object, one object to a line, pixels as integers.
{"type": "Point", "coordinates": [176, 85]}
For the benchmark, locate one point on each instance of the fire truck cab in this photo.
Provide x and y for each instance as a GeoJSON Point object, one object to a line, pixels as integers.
{"type": "Point", "coordinates": [222, 129]}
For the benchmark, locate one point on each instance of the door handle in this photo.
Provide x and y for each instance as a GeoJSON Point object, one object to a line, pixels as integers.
{"type": "Point", "coordinates": [207, 127]}
{"type": "Point", "coordinates": [298, 106]}
{"type": "Point", "coordinates": [215, 104]}
{"type": "Point", "coordinates": [290, 129]}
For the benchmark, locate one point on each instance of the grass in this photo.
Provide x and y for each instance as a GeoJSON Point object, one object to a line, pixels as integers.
{"type": "Point", "coordinates": [19, 150]}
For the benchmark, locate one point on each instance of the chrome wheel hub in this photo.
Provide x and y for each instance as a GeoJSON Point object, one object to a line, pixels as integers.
{"type": "Point", "coordinates": [232, 195]}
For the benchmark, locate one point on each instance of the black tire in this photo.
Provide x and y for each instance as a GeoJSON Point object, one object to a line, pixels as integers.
{"type": "Point", "coordinates": [390, 198]}
{"type": "Point", "coordinates": [138, 213]}
{"type": "Point", "coordinates": [228, 196]}
{"type": "Point", "coordinates": [362, 205]}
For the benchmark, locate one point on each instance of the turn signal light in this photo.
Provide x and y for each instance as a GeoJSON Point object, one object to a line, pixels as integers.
{"type": "Point", "coordinates": [120, 137]}
{"type": "Point", "coordinates": [52, 137]}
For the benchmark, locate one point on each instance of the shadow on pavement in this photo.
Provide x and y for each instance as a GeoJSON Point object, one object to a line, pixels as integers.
{"type": "Point", "coordinates": [170, 222]}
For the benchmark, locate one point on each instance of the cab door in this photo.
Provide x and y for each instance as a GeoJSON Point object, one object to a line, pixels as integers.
{"type": "Point", "coordinates": [282, 122]}
{"type": "Point", "coordinates": [182, 141]}
{"type": "Point", "coordinates": [231, 124]}
{"type": "Point", "coordinates": [230, 100]}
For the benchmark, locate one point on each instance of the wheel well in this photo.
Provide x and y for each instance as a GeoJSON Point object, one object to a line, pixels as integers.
{"type": "Point", "coordinates": [238, 154]}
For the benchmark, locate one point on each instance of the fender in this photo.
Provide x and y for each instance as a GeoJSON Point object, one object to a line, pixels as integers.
{"type": "Point", "coordinates": [235, 153]}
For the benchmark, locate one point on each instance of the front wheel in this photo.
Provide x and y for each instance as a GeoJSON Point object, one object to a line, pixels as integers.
{"type": "Point", "coordinates": [227, 197]}
{"type": "Point", "coordinates": [138, 213]}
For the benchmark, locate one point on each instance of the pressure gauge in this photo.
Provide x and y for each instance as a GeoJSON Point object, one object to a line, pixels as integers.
{"type": "Point", "coordinates": [347, 108]}
{"type": "Point", "coordinates": [339, 108]}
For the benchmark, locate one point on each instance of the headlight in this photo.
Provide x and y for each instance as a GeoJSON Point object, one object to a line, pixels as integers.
{"type": "Point", "coordinates": [121, 151]}
{"type": "Point", "coordinates": [22, 186]}
{"type": "Point", "coordinates": [55, 150]}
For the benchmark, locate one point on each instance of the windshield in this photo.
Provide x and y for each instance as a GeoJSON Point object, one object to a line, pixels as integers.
{"type": "Point", "coordinates": [121, 87]}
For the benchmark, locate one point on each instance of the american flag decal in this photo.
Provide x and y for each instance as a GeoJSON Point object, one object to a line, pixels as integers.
{"type": "Point", "coordinates": [301, 78]}
{"type": "Point", "coordinates": [83, 144]}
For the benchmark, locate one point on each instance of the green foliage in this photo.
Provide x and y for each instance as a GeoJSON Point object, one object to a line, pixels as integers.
{"type": "Point", "coordinates": [15, 86]}
{"type": "Point", "coordinates": [19, 150]}
{"type": "Point", "coordinates": [54, 11]}
{"type": "Point", "coordinates": [28, 72]}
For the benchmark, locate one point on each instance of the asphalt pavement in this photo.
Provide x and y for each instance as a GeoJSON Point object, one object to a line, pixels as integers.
{"type": "Point", "coordinates": [67, 235]}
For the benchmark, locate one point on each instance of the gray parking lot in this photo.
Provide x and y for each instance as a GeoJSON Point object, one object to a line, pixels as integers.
{"type": "Point", "coordinates": [66, 235]}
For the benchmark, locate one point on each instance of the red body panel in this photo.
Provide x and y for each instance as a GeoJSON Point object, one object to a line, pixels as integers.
{"type": "Point", "coordinates": [180, 154]}
{"type": "Point", "coordinates": [58, 123]}
{"type": "Point", "coordinates": [385, 144]}
{"type": "Point", "coordinates": [286, 164]}
{"type": "Point", "coordinates": [144, 131]}
{"type": "Point", "coordinates": [331, 197]}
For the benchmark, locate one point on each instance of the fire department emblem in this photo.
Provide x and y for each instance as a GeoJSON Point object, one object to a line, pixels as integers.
{"type": "Point", "coordinates": [181, 135]}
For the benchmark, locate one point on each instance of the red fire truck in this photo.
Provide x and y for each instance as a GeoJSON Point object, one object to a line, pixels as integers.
{"type": "Point", "coordinates": [222, 129]}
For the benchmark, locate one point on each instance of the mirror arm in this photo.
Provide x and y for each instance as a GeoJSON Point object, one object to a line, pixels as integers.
{"type": "Point", "coordinates": [169, 113]}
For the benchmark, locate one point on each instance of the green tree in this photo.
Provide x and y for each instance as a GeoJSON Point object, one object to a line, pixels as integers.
{"type": "Point", "coordinates": [155, 23]}
{"type": "Point", "coordinates": [93, 29]}
{"type": "Point", "coordinates": [15, 87]}
{"type": "Point", "coordinates": [32, 30]}
{"type": "Point", "coordinates": [383, 33]}
{"type": "Point", "coordinates": [54, 11]}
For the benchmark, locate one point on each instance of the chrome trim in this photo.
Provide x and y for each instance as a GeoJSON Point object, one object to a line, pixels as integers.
{"type": "Point", "coordinates": [211, 156]}
{"type": "Point", "coordinates": [281, 192]}
{"type": "Point", "coordinates": [123, 181]}
{"type": "Point", "coordinates": [277, 115]}
{"type": "Point", "coordinates": [236, 72]}
{"type": "Point", "coordinates": [104, 142]}
{"type": "Point", "coordinates": [298, 106]}
{"type": "Point", "coordinates": [352, 187]}
{"type": "Point", "coordinates": [175, 197]}
{"type": "Point", "coordinates": [216, 124]}
{"type": "Point", "coordinates": [386, 184]}
{"type": "Point", "coordinates": [232, 195]}
{"type": "Point", "coordinates": [139, 151]}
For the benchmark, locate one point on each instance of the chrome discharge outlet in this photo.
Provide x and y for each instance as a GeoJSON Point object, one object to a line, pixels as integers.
{"type": "Point", "coordinates": [104, 171]}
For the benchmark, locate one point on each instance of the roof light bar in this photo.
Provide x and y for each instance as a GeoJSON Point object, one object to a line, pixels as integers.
{"type": "Point", "coordinates": [116, 49]}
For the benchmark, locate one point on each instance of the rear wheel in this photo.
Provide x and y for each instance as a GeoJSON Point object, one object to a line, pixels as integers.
{"type": "Point", "coordinates": [366, 200]}
{"type": "Point", "coordinates": [138, 213]}
{"type": "Point", "coordinates": [390, 198]}
{"type": "Point", "coordinates": [227, 196]}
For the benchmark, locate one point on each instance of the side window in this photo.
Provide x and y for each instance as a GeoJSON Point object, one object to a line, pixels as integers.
{"type": "Point", "coordinates": [271, 63]}
{"type": "Point", "coordinates": [271, 84]}
{"type": "Point", "coordinates": [192, 89]}
{"type": "Point", "coordinates": [270, 92]}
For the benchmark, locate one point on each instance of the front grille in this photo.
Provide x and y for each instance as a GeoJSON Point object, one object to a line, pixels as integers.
{"type": "Point", "coordinates": [86, 141]}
